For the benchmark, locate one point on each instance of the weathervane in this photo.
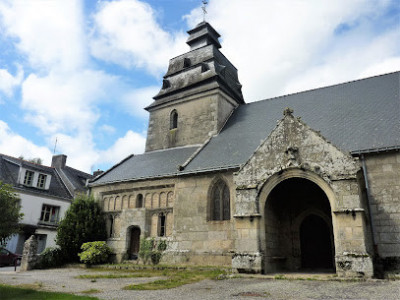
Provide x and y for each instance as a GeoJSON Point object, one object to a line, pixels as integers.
{"type": "Point", "coordinates": [204, 9]}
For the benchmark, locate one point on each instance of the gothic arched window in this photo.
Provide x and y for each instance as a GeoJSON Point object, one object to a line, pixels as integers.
{"type": "Point", "coordinates": [220, 202]}
{"type": "Point", "coordinates": [173, 122]}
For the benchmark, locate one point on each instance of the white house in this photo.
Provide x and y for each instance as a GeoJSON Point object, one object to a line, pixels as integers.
{"type": "Point", "coordinates": [45, 193]}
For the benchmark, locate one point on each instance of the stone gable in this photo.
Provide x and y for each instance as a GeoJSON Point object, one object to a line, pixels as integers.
{"type": "Point", "coordinates": [293, 144]}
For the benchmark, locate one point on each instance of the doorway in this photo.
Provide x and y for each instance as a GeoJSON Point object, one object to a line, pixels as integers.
{"type": "Point", "coordinates": [298, 228]}
{"type": "Point", "coordinates": [315, 244]}
{"type": "Point", "coordinates": [134, 242]}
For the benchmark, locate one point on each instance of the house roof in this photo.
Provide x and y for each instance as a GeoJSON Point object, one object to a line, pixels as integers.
{"type": "Point", "coordinates": [357, 116]}
{"type": "Point", "coordinates": [9, 172]}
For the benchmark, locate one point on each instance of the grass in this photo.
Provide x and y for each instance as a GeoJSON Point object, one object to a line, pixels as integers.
{"type": "Point", "coordinates": [91, 291]}
{"type": "Point", "coordinates": [10, 293]}
{"type": "Point", "coordinates": [175, 278]}
{"type": "Point", "coordinates": [136, 274]}
{"type": "Point", "coordinates": [171, 276]}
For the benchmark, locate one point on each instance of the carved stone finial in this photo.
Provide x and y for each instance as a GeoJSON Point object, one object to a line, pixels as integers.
{"type": "Point", "coordinates": [288, 111]}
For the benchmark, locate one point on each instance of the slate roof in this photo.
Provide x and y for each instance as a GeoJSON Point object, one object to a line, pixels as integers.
{"type": "Point", "coordinates": [159, 163]}
{"type": "Point", "coordinates": [9, 170]}
{"type": "Point", "coordinates": [357, 116]}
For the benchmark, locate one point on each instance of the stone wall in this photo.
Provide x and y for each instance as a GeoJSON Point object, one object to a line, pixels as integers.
{"type": "Point", "coordinates": [29, 255]}
{"type": "Point", "coordinates": [135, 204]}
{"type": "Point", "coordinates": [199, 117]}
{"type": "Point", "coordinates": [383, 171]}
{"type": "Point", "coordinates": [192, 237]}
{"type": "Point", "coordinates": [197, 239]}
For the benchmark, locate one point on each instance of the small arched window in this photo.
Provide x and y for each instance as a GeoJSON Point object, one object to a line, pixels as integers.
{"type": "Point", "coordinates": [173, 123]}
{"type": "Point", "coordinates": [220, 201]}
{"type": "Point", "coordinates": [139, 201]}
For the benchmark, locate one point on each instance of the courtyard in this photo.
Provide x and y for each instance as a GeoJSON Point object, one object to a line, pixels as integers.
{"type": "Point", "coordinates": [107, 284]}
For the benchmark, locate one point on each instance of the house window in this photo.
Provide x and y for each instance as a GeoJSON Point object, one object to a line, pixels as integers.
{"type": "Point", "coordinates": [28, 177]}
{"type": "Point", "coordinates": [42, 181]}
{"type": "Point", "coordinates": [49, 214]}
{"type": "Point", "coordinates": [161, 224]}
{"type": "Point", "coordinates": [173, 124]}
{"type": "Point", "coordinates": [220, 202]}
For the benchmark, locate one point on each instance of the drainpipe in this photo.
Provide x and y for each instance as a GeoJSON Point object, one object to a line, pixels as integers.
{"type": "Point", "coordinates": [364, 167]}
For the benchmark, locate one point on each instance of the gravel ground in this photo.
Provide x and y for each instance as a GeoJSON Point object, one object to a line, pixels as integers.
{"type": "Point", "coordinates": [239, 288]}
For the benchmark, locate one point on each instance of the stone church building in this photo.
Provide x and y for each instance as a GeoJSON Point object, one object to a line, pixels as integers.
{"type": "Point", "coordinates": [306, 181]}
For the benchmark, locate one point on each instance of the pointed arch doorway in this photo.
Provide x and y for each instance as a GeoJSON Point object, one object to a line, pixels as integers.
{"type": "Point", "coordinates": [298, 231]}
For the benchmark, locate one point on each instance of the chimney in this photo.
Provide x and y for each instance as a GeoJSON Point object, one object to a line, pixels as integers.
{"type": "Point", "coordinates": [97, 173]}
{"type": "Point", "coordinates": [59, 161]}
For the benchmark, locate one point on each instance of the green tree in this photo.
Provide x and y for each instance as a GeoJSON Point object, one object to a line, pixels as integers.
{"type": "Point", "coordinates": [83, 222]}
{"type": "Point", "coordinates": [10, 212]}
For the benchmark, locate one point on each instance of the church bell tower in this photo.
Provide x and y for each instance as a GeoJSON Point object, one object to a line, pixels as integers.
{"type": "Point", "coordinates": [198, 94]}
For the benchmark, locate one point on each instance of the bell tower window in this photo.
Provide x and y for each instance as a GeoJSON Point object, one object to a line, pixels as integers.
{"type": "Point", "coordinates": [173, 124]}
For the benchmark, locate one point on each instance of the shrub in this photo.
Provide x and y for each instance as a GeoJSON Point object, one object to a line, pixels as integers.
{"type": "Point", "coordinates": [95, 253]}
{"type": "Point", "coordinates": [146, 246]}
{"type": "Point", "coordinates": [152, 250]}
{"type": "Point", "coordinates": [51, 257]}
{"type": "Point", "coordinates": [10, 212]}
{"type": "Point", "coordinates": [83, 222]}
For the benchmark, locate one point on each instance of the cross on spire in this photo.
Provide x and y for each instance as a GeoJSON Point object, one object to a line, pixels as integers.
{"type": "Point", "coordinates": [204, 9]}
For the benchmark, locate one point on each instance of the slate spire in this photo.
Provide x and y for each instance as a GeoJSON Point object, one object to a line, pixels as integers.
{"type": "Point", "coordinates": [203, 34]}
{"type": "Point", "coordinates": [201, 69]}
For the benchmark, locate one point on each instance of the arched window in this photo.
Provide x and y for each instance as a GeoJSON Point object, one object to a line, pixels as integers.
{"type": "Point", "coordinates": [139, 201]}
{"type": "Point", "coordinates": [173, 122]}
{"type": "Point", "coordinates": [220, 202]}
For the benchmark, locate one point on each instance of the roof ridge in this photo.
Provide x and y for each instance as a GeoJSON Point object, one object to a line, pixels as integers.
{"type": "Point", "coordinates": [25, 161]}
{"type": "Point", "coordinates": [323, 87]}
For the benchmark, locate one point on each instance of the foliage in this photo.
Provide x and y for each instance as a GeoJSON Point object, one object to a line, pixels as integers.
{"type": "Point", "coordinates": [83, 222]}
{"type": "Point", "coordinates": [146, 247]}
{"type": "Point", "coordinates": [10, 212]}
{"type": "Point", "coordinates": [51, 257]}
{"type": "Point", "coordinates": [152, 250]}
{"type": "Point", "coordinates": [95, 253]}
{"type": "Point", "coordinates": [35, 160]}
{"type": "Point", "coordinates": [12, 292]}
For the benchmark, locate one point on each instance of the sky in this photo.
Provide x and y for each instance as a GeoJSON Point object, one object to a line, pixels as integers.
{"type": "Point", "coordinates": [81, 72]}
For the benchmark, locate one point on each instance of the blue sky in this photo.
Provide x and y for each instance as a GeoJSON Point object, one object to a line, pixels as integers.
{"type": "Point", "coordinates": [81, 72]}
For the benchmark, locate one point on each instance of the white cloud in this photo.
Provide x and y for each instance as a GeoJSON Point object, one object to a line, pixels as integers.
{"type": "Point", "coordinates": [126, 33]}
{"type": "Point", "coordinates": [65, 102]}
{"type": "Point", "coordinates": [132, 142]}
{"type": "Point", "coordinates": [283, 46]}
{"type": "Point", "coordinates": [83, 155]}
{"type": "Point", "coordinates": [136, 100]}
{"type": "Point", "coordinates": [50, 33]}
{"type": "Point", "coordinates": [15, 145]}
{"type": "Point", "coordinates": [107, 129]}
{"type": "Point", "coordinates": [8, 82]}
